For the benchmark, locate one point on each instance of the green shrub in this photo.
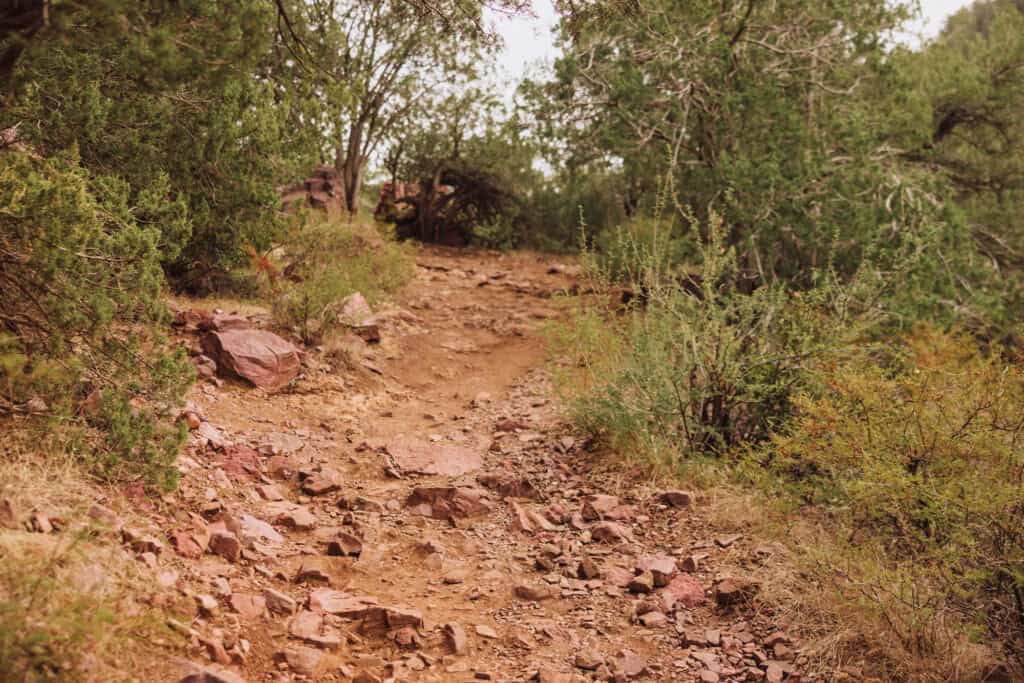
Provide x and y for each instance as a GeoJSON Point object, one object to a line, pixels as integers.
{"type": "Point", "coordinates": [326, 262]}
{"type": "Point", "coordinates": [919, 463]}
{"type": "Point", "coordinates": [79, 295]}
{"type": "Point", "coordinates": [700, 366]}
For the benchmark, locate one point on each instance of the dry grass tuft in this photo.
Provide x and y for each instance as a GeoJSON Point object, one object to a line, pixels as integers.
{"type": "Point", "coordinates": [69, 600]}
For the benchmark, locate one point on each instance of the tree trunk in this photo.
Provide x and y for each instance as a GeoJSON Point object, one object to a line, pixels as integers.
{"type": "Point", "coordinates": [349, 162]}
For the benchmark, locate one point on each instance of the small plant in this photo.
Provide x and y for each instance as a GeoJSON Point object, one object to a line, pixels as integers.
{"type": "Point", "coordinates": [327, 262]}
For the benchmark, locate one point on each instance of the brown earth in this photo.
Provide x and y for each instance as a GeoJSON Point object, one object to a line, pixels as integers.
{"type": "Point", "coordinates": [419, 510]}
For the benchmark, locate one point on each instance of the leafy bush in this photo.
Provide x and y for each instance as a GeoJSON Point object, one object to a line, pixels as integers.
{"type": "Point", "coordinates": [919, 463]}
{"type": "Point", "coordinates": [701, 366]}
{"type": "Point", "coordinates": [166, 97]}
{"type": "Point", "coordinates": [328, 261]}
{"type": "Point", "coordinates": [79, 291]}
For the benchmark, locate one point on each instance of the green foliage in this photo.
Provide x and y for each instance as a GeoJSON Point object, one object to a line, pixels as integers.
{"type": "Point", "coordinates": [954, 109]}
{"type": "Point", "coordinates": [164, 100]}
{"type": "Point", "coordinates": [702, 365]}
{"type": "Point", "coordinates": [328, 261]}
{"type": "Point", "coordinates": [79, 292]}
{"type": "Point", "coordinates": [920, 461]}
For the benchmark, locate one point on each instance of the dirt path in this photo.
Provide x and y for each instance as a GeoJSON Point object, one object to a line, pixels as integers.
{"type": "Point", "coordinates": [426, 515]}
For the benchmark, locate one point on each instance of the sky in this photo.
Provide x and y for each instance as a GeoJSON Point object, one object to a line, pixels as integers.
{"type": "Point", "coordinates": [530, 43]}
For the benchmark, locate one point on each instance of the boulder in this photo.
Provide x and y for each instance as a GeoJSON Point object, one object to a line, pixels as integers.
{"type": "Point", "coordinates": [263, 358]}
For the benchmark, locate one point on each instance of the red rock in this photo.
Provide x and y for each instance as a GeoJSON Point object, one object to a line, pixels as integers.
{"type": "Point", "coordinates": [632, 664]}
{"type": "Point", "coordinates": [186, 545]}
{"type": "Point", "coordinates": [416, 456]}
{"type": "Point", "coordinates": [221, 322]}
{"type": "Point", "coordinates": [340, 603]}
{"type": "Point", "coordinates": [618, 576]}
{"type": "Point", "coordinates": [227, 545]}
{"type": "Point", "coordinates": [455, 637]}
{"type": "Point", "coordinates": [557, 514]}
{"type": "Point", "coordinates": [596, 506]}
{"type": "Point", "coordinates": [642, 583]}
{"type": "Point", "coordinates": [533, 593]}
{"type": "Point", "coordinates": [588, 569]}
{"type": "Point", "coordinates": [445, 502]}
{"type": "Point", "coordinates": [686, 590]}
{"type": "Point", "coordinates": [694, 637]}
{"type": "Point", "coordinates": [296, 517]}
{"type": "Point", "coordinates": [263, 358]}
{"type": "Point", "coordinates": [313, 570]}
{"type": "Point", "coordinates": [269, 492]}
{"type": "Point", "coordinates": [320, 483]}
{"type": "Point", "coordinates": [306, 625]}
{"type": "Point", "coordinates": [733, 591]}
{"type": "Point", "coordinates": [345, 543]}
{"type": "Point", "coordinates": [508, 485]}
{"type": "Point", "coordinates": [240, 461]}
{"type": "Point", "coordinates": [653, 619]}
{"type": "Point", "coordinates": [529, 521]}
{"type": "Point", "coordinates": [215, 649]}
{"type": "Point", "coordinates": [676, 499]}
{"type": "Point", "coordinates": [278, 602]}
{"type": "Point", "coordinates": [610, 532]}
{"type": "Point", "coordinates": [303, 660]}
{"type": "Point", "coordinates": [248, 605]}
{"type": "Point", "coordinates": [661, 566]}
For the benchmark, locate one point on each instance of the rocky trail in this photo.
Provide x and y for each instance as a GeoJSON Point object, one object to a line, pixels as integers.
{"type": "Point", "coordinates": [417, 509]}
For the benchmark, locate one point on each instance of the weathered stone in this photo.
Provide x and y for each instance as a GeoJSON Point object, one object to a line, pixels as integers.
{"type": "Point", "coordinates": [444, 502]}
{"type": "Point", "coordinates": [278, 602]}
{"type": "Point", "coordinates": [227, 545]}
{"type": "Point", "coordinates": [303, 660]}
{"type": "Point", "coordinates": [186, 545]}
{"type": "Point", "coordinates": [610, 532]}
{"type": "Point", "coordinates": [686, 590]}
{"type": "Point", "coordinates": [733, 591]}
{"type": "Point", "coordinates": [320, 483]}
{"type": "Point", "coordinates": [588, 660]}
{"type": "Point", "coordinates": [508, 485]}
{"type": "Point", "coordinates": [296, 517]}
{"type": "Point", "coordinates": [642, 583]}
{"type": "Point", "coordinates": [631, 664]}
{"type": "Point", "coordinates": [345, 543]}
{"type": "Point", "coordinates": [588, 569]}
{"type": "Point", "coordinates": [313, 570]}
{"type": "Point", "coordinates": [239, 461]}
{"type": "Point", "coordinates": [248, 605]}
{"type": "Point", "coordinates": [595, 507]}
{"type": "Point", "coordinates": [263, 358]}
{"type": "Point", "coordinates": [662, 568]}
{"type": "Point", "coordinates": [415, 456]}
{"type": "Point", "coordinates": [455, 637]}
{"type": "Point", "coordinates": [533, 593]}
